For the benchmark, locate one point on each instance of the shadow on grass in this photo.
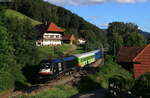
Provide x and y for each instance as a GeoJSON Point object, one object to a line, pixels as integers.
{"type": "Point", "coordinates": [88, 88]}
{"type": "Point", "coordinates": [20, 86]}
{"type": "Point", "coordinates": [86, 84]}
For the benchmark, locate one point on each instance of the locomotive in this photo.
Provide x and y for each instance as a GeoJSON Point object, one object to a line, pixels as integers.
{"type": "Point", "coordinates": [54, 67]}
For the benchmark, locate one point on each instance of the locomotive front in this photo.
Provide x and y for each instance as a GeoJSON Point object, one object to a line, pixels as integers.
{"type": "Point", "coordinates": [46, 70]}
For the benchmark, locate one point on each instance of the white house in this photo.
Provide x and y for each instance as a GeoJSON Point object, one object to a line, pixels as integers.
{"type": "Point", "coordinates": [52, 36]}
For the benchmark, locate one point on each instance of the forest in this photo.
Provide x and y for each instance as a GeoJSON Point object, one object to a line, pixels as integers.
{"type": "Point", "coordinates": [18, 53]}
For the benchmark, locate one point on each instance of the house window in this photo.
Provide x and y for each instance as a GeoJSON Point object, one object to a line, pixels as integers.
{"type": "Point", "coordinates": [52, 36]}
{"type": "Point", "coordinates": [57, 36]}
{"type": "Point", "coordinates": [39, 43]}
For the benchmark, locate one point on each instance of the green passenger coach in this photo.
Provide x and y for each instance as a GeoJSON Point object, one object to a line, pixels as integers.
{"type": "Point", "coordinates": [86, 58]}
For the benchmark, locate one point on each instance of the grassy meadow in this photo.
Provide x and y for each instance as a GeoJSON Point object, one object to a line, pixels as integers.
{"type": "Point", "coordinates": [13, 13]}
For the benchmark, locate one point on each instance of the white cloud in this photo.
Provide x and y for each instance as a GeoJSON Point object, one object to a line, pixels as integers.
{"type": "Point", "coordinates": [103, 25]}
{"type": "Point", "coordinates": [88, 2]}
{"type": "Point", "coordinates": [93, 17]}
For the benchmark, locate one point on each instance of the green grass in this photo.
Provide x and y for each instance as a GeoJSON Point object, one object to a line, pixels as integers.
{"type": "Point", "coordinates": [64, 91]}
{"type": "Point", "coordinates": [78, 50]}
{"type": "Point", "coordinates": [12, 13]}
{"type": "Point", "coordinates": [46, 52]}
{"type": "Point", "coordinates": [49, 52]}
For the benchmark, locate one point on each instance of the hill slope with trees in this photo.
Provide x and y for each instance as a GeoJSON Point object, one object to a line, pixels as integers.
{"type": "Point", "coordinates": [46, 12]}
{"type": "Point", "coordinates": [13, 13]}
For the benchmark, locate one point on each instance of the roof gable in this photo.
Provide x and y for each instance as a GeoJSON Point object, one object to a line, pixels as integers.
{"type": "Point", "coordinates": [127, 54]}
{"type": "Point", "coordinates": [144, 54]}
{"type": "Point", "coordinates": [54, 28]}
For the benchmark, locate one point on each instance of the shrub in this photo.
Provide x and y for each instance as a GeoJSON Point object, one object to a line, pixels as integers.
{"type": "Point", "coordinates": [142, 86]}
{"type": "Point", "coordinates": [6, 81]}
{"type": "Point", "coordinates": [87, 83]}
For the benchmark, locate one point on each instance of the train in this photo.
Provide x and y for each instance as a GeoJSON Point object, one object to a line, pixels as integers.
{"type": "Point", "coordinates": [54, 67]}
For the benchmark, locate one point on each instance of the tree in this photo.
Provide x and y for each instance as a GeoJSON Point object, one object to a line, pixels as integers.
{"type": "Point", "coordinates": [7, 59]}
{"type": "Point", "coordinates": [123, 34]}
{"type": "Point", "coordinates": [17, 50]}
{"type": "Point", "coordinates": [134, 39]}
{"type": "Point", "coordinates": [142, 86]}
{"type": "Point", "coordinates": [115, 42]}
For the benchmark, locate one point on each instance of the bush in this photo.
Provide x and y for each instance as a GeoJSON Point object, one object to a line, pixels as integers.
{"type": "Point", "coordinates": [6, 81]}
{"type": "Point", "coordinates": [142, 86]}
{"type": "Point", "coordinates": [87, 83]}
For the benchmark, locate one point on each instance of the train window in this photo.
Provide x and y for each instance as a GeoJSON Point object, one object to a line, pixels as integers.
{"type": "Point", "coordinates": [59, 66]}
{"type": "Point", "coordinates": [51, 69]}
{"type": "Point", "coordinates": [83, 59]}
{"type": "Point", "coordinates": [55, 69]}
{"type": "Point", "coordinates": [46, 65]}
{"type": "Point", "coordinates": [87, 58]}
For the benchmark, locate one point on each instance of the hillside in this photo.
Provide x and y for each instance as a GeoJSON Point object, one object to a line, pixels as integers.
{"type": "Point", "coordinates": [13, 13]}
{"type": "Point", "coordinates": [72, 23]}
{"type": "Point", "coordinates": [146, 34]}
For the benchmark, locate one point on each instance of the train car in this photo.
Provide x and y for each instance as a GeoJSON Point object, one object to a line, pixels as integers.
{"type": "Point", "coordinates": [99, 54]}
{"type": "Point", "coordinates": [87, 58]}
{"type": "Point", "coordinates": [54, 67]}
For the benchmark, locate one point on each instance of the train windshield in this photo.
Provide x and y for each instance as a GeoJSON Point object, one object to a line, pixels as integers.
{"type": "Point", "coordinates": [46, 65]}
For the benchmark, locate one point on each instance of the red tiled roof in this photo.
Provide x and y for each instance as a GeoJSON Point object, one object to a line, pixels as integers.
{"type": "Point", "coordinates": [127, 54]}
{"type": "Point", "coordinates": [54, 28]}
{"type": "Point", "coordinates": [144, 62]}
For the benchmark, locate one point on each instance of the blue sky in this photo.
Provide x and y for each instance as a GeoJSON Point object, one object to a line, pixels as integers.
{"type": "Point", "coordinates": [102, 12]}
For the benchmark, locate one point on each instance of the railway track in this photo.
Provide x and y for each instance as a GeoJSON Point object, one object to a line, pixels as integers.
{"type": "Point", "coordinates": [61, 80]}
{"type": "Point", "coordinates": [65, 78]}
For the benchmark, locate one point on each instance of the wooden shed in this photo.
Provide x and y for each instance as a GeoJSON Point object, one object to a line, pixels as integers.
{"type": "Point", "coordinates": [135, 59]}
{"type": "Point", "coordinates": [69, 38]}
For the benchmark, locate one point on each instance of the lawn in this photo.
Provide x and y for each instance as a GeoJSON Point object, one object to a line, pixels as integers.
{"type": "Point", "coordinates": [78, 50]}
{"type": "Point", "coordinates": [13, 13]}
{"type": "Point", "coordinates": [46, 52]}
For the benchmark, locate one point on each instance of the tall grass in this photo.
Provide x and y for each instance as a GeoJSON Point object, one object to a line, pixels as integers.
{"type": "Point", "coordinates": [65, 91]}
